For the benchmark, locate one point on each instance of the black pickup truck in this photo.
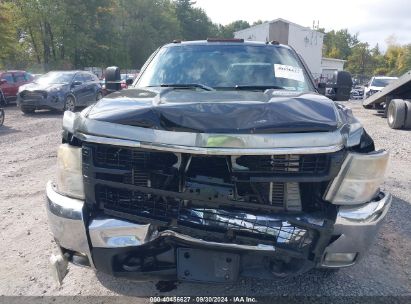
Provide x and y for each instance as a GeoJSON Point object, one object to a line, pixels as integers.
{"type": "Point", "coordinates": [221, 160]}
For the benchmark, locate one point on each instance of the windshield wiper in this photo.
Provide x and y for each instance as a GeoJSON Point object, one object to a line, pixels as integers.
{"type": "Point", "coordinates": [185, 86]}
{"type": "Point", "coordinates": [257, 87]}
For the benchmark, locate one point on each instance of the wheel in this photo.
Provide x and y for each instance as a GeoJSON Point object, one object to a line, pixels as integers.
{"type": "Point", "coordinates": [396, 114]}
{"type": "Point", "coordinates": [70, 104]}
{"type": "Point", "coordinates": [407, 123]}
{"type": "Point", "coordinates": [27, 110]}
{"type": "Point", "coordinates": [2, 115]}
{"type": "Point", "coordinates": [99, 96]}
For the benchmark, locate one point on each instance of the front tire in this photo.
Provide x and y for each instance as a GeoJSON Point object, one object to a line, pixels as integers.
{"type": "Point", "coordinates": [396, 114]}
{"type": "Point", "coordinates": [27, 110]}
{"type": "Point", "coordinates": [70, 104]}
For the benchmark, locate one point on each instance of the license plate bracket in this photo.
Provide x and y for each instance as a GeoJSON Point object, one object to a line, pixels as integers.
{"type": "Point", "coordinates": [209, 266]}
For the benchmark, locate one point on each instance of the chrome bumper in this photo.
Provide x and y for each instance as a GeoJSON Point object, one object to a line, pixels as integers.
{"type": "Point", "coordinates": [356, 227]}
{"type": "Point", "coordinates": [67, 222]}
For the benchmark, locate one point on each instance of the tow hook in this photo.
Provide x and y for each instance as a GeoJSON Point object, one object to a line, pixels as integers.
{"type": "Point", "coordinates": [58, 268]}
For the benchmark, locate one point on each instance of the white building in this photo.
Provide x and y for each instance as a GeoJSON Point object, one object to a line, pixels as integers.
{"type": "Point", "coordinates": [306, 41]}
{"type": "Point", "coordinates": [331, 65]}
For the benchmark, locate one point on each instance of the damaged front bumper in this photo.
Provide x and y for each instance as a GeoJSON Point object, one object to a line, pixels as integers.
{"type": "Point", "coordinates": [142, 251]}
{"type": "Point", "coordinates": [47, 101]}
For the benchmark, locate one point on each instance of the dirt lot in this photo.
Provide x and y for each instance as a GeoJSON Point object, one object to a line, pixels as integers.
{"type": "Point", "coordinates": [28, 159]}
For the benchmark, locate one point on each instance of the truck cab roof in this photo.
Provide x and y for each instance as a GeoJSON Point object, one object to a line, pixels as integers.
{"type": "Point", "coordinates": [228, 42]}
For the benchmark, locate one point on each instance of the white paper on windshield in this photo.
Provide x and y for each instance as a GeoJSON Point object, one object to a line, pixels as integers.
{"type": "Point", "coordinates": [288, 72]}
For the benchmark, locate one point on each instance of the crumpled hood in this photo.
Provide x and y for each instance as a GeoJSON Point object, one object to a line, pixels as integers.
{"type": "Point", "coordinates": [41, 87]}
{"type": "Point", "coordinates": [274, 111]}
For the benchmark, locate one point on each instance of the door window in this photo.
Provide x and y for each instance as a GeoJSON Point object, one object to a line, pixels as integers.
{"type": "Point", "coordinates": [8, 77]}
{"type": "Point", "coordinates": [19, 78]}
{"type": "Point", "coordinates": [27, 77]}
{"type": "Point", "coordinates": [79, 77]}
{"type": "Point", "coordinates": [87, 78]}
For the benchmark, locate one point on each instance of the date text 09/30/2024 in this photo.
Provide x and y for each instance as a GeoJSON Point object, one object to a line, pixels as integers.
{"type": "Point", "coordinates": [207, 299]}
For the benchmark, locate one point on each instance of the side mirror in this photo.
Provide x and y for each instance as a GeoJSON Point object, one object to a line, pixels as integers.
{"type": "Point", "coordinates": [129, 81]}
{"type": "Point", "coordinates": [341, 85]}
{"type": "Point", "coordinates": [113, 79]}
{"type": "Point", "coordinates": [321, 87]}
{"type": "Point", "coordinates": [344, 79]}
{"type": "Point", "coordinates": [76, 83]}
{"type": "Point", "coordinates": [3, 81]}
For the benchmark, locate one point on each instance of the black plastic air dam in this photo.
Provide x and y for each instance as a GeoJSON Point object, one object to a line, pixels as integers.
{"type": "Point", "coordinates": [218, 111]}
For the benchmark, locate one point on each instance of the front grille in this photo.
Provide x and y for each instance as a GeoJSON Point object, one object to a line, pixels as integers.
{"type": "Point", "coordinates": [29, 95]}
{"type": "Point", "coordinates": [303, 164]}
{"type": "Point", "coordinates": [128, 158]}
{"type": "Point", "coordinates": [211, 193]}
{"type": "Point", "coordinates": [240, 224]}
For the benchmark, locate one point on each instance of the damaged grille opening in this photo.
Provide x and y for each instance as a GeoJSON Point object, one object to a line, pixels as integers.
{"type": "Point", "coordinates": [223, 196]}
{"type": "Point", "coordinates": [253, 180]}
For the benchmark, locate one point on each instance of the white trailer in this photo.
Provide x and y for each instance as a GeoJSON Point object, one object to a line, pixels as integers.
{"type": "Point", "coordinates": [395, 102]}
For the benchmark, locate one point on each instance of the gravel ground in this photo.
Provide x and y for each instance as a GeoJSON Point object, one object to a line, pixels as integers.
{"type": "Point", "coordinates": [28, 159]}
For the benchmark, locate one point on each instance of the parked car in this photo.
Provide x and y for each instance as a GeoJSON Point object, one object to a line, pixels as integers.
{"type": "Point", "coordinates": [126, 80]}
{"type": "Point", "coordinates": [357, 92]}
{"type": "Point", "coordinates": [221, 161]}
{"type": "Point", "coordinates": [103, 86]}
{"type": "Point", "coordinates": [60, 91]}
{"type": "Point", "coordinates": [35, 76]}
{"type": "Point", "coordinates": [376, 84]}
{"type": "Point", "coordinates": [10, 81]}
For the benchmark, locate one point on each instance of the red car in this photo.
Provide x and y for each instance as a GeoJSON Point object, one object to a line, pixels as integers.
{"type": "Point", "coordinates": [10, 81]}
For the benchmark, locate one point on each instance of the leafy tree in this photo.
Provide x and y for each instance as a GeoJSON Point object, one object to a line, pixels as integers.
{"type": "Point", "coordinates": [258, 22]}
{"type": "Point", "coordinates": [194, 22]}
{"type": "Point", "coordinates": [8, 34]}
{"type": "Point", "coordinates": [339, 43]}
{"type": "Point", "coordinates": [227, 31]}
{"type": "Point", "coordinates": [360, 61]}
{"type": "Point", "coordinates": [67, 34]}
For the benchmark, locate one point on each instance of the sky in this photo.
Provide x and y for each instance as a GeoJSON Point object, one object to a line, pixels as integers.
{"type": "Point", "coordinates": [374, 20]}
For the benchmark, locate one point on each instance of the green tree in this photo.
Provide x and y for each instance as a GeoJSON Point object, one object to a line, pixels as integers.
{"type": "Point", "coordinates": [227, 31]}
{"type": "Point", "coordinates": [8, 33]}
{"type": "Point", "coordinates": [339, 43]}
{"type": "Point", "coordinates": [194, 22]}
{"type": "Point", "coordinates": [360, 60]}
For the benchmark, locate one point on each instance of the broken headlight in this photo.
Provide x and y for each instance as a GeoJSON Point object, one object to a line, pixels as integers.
{"type": "Point", "coordinates": [69, 171]}
{"type": "Point", "coordinates": [359, 179]}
